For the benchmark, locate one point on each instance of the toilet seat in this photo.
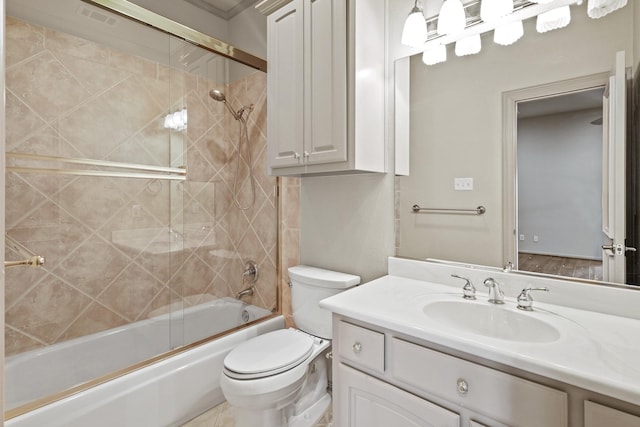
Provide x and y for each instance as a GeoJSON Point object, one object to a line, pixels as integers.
{"type": "Point", "coordinates": [268, 354]}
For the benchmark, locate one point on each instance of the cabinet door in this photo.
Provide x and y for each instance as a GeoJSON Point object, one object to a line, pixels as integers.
{"type": "Point", "coordinates": [325, 81]}
{"type": "Point", "coordinates": [365, 401]}
{"type": "Point", "coordinates": [596, 415]}
{"type": "Point", "coordinates": [285, 85]}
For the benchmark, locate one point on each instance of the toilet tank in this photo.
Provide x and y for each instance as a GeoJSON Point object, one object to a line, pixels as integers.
{"type": "Point", "coordinates": [309, 285]}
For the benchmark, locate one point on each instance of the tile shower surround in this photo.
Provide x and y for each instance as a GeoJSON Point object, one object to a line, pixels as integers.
{"type": "Point", "coordinates": [70, 97]}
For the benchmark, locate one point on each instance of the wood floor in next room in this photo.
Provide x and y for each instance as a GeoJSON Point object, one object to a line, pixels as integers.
{"type": "Point", "coordinates": [220, 416]}
{"type": "Point", "coordinates": [561, 266]}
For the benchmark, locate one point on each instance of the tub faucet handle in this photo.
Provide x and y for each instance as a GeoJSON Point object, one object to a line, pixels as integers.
{"type": "Point", "coordinates": [525, 302]}
{"type": "Point", "coordinates": [468, 290]}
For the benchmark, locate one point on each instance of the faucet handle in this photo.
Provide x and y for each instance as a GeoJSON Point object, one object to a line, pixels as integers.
{"type": "Point", "coordinates": [468, 290]}
{"type": "Point", "coordinates": [525, 301]}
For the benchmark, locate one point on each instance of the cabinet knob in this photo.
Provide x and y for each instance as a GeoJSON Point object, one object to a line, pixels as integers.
{"type": "Point", "coordinates": [357, 347]}
{"type": "Point", "coordinates": [462, 386]}
{"type": "Point", "coordinates": [306, 154]}
{"type": "Point", "coordinates": [296, 155]}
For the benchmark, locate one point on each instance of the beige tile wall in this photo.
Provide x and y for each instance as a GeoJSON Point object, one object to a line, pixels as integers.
{"type": "Point", "coordinates": [69, 97]}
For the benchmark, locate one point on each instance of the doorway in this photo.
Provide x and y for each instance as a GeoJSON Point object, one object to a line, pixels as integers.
{"type": "Point", "coordinates": [559, 175]}
{"type": "Point", "coordinates": [549, 178]}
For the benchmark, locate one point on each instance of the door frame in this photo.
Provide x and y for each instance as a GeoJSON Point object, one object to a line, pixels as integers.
{"type": "Point", "coordinates": [510, 101]}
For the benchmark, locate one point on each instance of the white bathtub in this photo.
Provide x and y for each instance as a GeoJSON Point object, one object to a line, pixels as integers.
{"type": "Point", "coordinates": [166, 393]}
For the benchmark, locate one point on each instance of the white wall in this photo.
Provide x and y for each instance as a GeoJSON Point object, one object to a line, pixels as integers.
{"type": "Point", "coordinates": [559, 184]}
{"type": "Point", "coordinates": [247, 31]}
{"type": "Point", "coordinates": [456, 129]}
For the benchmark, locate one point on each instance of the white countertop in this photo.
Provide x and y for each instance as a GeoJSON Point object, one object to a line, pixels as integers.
{"type": "Point", "coordinates": [595, 351]}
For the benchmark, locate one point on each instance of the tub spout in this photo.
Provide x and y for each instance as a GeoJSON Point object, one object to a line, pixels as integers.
{"type": "Point", "coordinates": [248, 291]}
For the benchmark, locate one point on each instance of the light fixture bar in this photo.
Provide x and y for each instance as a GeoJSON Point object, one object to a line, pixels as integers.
{"type": "Point", "coordinates": [522, 10]}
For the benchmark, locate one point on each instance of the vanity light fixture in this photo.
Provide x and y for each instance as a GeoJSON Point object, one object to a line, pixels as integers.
{"type": "Point", "coordinates": [503, 17]}
{"type": "Point", "coordinates": [452, 18]}
{"type": "Point", "coordinates": [469, 45]}
{"type": "Point", "coordinates": [553, 19]}
{"type": "Point", "coordinates": [493, 10]}
{"type": "Point", "coordinates": [509, 33]}
{"type": "Point", "coordinates": [176, 121]}
{"type": "Point", "coordinates": [414, 33]}
{"type": "Point", "coordinates": [435, 55]}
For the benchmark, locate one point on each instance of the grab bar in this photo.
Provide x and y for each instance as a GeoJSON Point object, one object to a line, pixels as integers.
{"type": "Point", "coordinates": [152, 172]}
{"type": "Point", "coordinates": [31, 259]}
{"type": "Point", "coordinates": [480, 210]}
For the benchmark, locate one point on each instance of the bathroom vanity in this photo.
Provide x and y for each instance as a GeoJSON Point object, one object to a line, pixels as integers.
{"type": "Point", "coordinates": [409, 350]}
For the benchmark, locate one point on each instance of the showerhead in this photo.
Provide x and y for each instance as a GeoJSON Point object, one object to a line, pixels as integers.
{"type": "Point", "coordinates": [217, 95]}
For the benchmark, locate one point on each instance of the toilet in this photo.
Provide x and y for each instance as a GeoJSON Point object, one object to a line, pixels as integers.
{"type": "Point", "coordinates": [280, 378]}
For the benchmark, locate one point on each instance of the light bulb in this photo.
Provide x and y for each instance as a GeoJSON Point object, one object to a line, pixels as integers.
{"type": "Point", "coordinates": [414, 33]}
{"type": "Point", "coordinates": [469, 45]}
{"type": "Point", "coordinates": [492, 10]}
{"type": "Point", "coordinates": [452, 18]}
{"type": "Point", "coordinates": [553, 19]}
{"type": "Point", "coordinates": [509, 33]}
{"type": "Point", "coordinates": [435, 55]}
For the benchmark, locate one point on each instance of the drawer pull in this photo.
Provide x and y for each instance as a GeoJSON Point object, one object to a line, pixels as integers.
{"type": "Point", "coordinates": [462, 386]}
{"type": "Point", "coordinates": [357, 347]}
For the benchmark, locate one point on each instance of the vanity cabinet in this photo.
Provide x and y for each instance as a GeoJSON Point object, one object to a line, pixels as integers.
{"type": "Point", "coordinates": [325, 86]}
{"type": "Point", "coordinates": [384, 380]}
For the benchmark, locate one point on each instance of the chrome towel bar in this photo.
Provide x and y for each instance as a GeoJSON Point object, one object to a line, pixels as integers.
{"type": "Point", "coordinates": [480, 210]}
{"type": "Point", "coordinates": [148, 171]}
{"type": "Point", "coordinates": [31, 259]}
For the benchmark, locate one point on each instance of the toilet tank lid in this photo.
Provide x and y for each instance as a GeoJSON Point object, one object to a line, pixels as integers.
{"type": "Point", "coordinates": [320, 277]}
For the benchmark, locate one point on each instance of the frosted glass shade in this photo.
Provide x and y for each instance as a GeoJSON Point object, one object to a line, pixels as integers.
{"type": "Point", "coordinates": [452, 18]}
{"type": "Point", "coordinates": [414, 33]}
{"type": "Point", "coordinates": [435, 55]}
{"type": "Point", "coordinates": [553, 19]}
{"type": "Point", "coordinates": [468, 45]}
{"type": "Point", "coordinates": [492, 10]}
{"type": "Point", "coordinates": [599, 8]}
{"type": "Point", "coordinates": [509, 33]}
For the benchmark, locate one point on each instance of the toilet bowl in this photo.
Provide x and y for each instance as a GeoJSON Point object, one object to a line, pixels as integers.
{"type": "Point", "coordinates": [280, 378]}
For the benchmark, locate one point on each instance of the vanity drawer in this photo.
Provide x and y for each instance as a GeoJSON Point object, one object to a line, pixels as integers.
{"type": "Point", "coordinates": [597, 415]}
{"type": "Point", "coordinates": [361, 346]}
{"type": "Point", "coordinates": [503, 397]}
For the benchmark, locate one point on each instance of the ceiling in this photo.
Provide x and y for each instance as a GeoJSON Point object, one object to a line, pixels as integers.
{"type": "Point", "coordinates": [574, 101]}
{"type": "Point", "coordinates": [225, 9]}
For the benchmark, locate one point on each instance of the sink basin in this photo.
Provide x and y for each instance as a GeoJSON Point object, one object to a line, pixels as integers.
{"type": "Point", "coordinates": [492, 321]}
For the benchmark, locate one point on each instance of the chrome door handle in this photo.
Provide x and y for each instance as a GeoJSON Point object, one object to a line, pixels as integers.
{"type": "Point", "coordinates": [618, 248]}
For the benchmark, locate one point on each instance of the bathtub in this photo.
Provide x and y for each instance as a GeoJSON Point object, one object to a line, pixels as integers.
{"type": "Point", "coordinates": [166, 393]}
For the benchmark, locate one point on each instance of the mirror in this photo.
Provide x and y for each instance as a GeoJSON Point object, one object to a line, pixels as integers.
{"type": "Point", "coordinates": [457, 127]}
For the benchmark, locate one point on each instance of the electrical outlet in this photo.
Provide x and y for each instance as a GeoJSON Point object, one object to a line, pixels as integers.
{"type": "Point", "coordinates": [536, 238]}
{"type": "Point", "coordinates": [464, 184]}
{"type": "Point", "coordinates": [522, 237]}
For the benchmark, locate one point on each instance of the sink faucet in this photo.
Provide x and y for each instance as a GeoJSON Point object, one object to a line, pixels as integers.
{"type": "Point", "coordinates": [496, 296]}
{"type": "Point", "coordinates": [525, 301]}
{"type": "Point", "coordinates": [468, 290]}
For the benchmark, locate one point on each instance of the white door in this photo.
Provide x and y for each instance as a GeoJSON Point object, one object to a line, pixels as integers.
{"type": "Point", "coordinates": [613, 174]}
